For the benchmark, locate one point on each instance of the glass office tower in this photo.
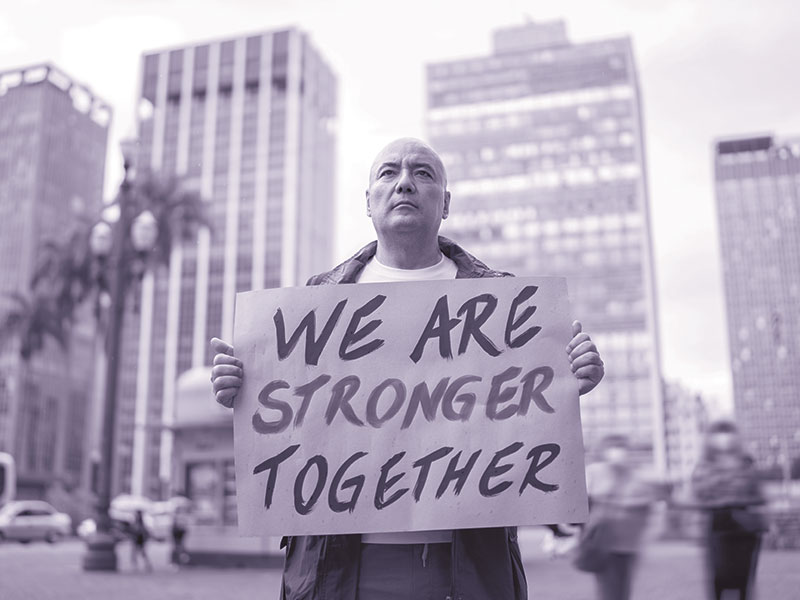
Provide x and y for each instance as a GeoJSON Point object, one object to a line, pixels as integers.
{"type": "Point", "coordinates": [758, 208]}
{"type": "Point", "coordinates": [544, 148]}
{"type": "Point", "coordinates": [53, 135]}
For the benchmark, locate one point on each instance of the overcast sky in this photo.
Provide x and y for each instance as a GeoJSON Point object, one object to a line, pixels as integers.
{"type": "Point", "coordinates": [707, 69]}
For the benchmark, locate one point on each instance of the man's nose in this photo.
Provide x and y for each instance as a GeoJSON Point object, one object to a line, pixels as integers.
{"type": "Point", "coordinates": [405, 183]}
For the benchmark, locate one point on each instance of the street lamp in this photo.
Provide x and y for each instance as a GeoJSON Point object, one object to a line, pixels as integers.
{"type": "Point", "coordinates": [119, 247]}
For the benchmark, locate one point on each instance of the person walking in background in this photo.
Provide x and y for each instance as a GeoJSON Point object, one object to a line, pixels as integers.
{"type": "Point", "coordinates": [726, 485]}
{"type": "Point", "coordinates": [560, 539]}
{"type": "Point", "coordinates": [180, 524]}
{"type": "Point", "coordinates": [620, 499]}
{"type": "Point", "coordinates": [139, 535]}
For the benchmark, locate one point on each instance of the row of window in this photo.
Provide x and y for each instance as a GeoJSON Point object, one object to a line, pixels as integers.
{"type": "Point", "coordinates": [514, 123]}
{"type": "Point", "coordinates": [569, 177]}
{"type": "Point", "coordinates": [787, 152]}
{"type": "Point", "coordinates": [521, 221]}
{"type": "Point", "coordinates": [610, 50]}
{"type": "Point", "coordinates": [536, 102]}
{"type": "Point", "coordinates": [571, 152]}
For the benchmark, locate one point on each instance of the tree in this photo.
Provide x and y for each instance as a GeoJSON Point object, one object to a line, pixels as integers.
{"type": "Point", "coordinates": [31, 321]}
{"type": "Point", "coordinates": [67, 273]}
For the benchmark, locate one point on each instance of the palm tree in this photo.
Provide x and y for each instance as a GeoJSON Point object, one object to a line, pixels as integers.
{"type": "Point", "coordinates": [32, 321]}
{"type": "Point", "coordinates": [176, 205]}
{"type": "Point", "coordinates": [67, 273]}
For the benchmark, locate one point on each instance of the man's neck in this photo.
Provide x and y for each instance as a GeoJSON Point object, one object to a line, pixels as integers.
{"type": "Point", "coordinates": [408, 252]}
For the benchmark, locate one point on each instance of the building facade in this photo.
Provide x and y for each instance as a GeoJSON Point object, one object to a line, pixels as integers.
{"type": "Point", "coordinates": [757, 182]}
{"type": "Point", "coordinates": [685, 421]}
{"type": "Point", "coordinates": [53, 135]}
{"type": "Point", "coordinates": [544, 148]}
{"type": "Point", "coordinates": [251, 121]}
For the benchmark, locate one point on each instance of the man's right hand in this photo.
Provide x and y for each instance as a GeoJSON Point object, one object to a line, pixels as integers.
{"type": "Point", "coordinates": [227, 372]}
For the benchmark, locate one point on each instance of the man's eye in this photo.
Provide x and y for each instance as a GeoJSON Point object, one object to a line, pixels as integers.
{"type": "Point", "coordinates": [385, 172]}
{"type": "Point", "coordinates": [425, 173]}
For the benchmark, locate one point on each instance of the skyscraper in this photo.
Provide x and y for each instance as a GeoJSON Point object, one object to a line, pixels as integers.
{"type": "Point", "coordinates": [685, 420]}
{"type": "Point", "coordinates": [252, 121]}
{"type": "Point", "coordinates": [544, 148]}
{"type": "Point", "coordinates": [53, 134]}
{"type": "Point", "coordinates": [758, 206]}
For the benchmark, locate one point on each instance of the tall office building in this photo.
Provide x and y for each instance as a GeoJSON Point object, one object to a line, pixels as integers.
{"type": "Point", "coordinates": [685, 421]}
{"type": "Point", "coordinates": [53, 134]}
{"type": "Point", "coordinates": [758, 206]}
{"type": "Point", "coordinates": [544, 149]}
{"type": "Point", "coordinates": [252, 121]}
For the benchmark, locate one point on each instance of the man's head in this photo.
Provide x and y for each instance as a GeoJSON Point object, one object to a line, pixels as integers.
{"type": "Point", "coordinates": [407, 189]}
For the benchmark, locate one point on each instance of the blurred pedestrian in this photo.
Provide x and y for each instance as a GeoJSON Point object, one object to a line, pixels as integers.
{"type": "Point", "coordinates": [139, 536]}
{"type": "Point", "coordinates": [620, 498]}
{"type": "Point", "coordinates": [180, 525]}
{"type": "Point", "coordinates": [726, 485]}
{"type": "Point", "coordinates": [560, 539]}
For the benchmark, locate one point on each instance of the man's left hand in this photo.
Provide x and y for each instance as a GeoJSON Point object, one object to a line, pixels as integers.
{"type": "Point", "coordinates": [584, 359]}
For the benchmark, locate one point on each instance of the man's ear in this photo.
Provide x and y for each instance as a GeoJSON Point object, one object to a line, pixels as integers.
{"type": "Point", "coordinates": [369, 213]}
{"type": "Point", "coordinates": [446, 210]}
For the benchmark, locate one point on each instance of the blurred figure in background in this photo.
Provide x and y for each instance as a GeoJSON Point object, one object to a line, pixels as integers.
{"type": "Point", "coordinates": [180, 524]}
{"type": "Point", "coordinates": [619, 505]}
{"type": "Point", "coordinates": [139, 535]}
{"type": "Point", "coordinates": [560, 539]}
{"type": "Point", "coordinates": [726, 485]}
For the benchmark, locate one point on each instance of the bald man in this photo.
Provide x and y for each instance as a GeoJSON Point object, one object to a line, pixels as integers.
{"type": "Point", "coordinates": [407, 200]}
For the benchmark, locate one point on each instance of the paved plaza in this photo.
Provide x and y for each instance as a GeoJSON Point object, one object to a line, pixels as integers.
{"type": "Point", "coordinates": [41, 571]}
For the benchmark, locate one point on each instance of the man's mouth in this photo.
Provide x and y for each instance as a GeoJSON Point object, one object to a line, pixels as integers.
{"type": "Point", "coordinates": [405, 203]}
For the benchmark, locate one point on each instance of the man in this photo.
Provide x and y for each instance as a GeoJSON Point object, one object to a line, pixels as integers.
{"type": "Point", "coordinates": [407, 200]}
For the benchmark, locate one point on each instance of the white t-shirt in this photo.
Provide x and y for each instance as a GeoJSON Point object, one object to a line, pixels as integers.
{"type": "Point", "coordinates": [375, 272]}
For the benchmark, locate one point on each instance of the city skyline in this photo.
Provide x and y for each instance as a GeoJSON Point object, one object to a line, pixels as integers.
{"type": "Point", "coordinates": [700, 78]}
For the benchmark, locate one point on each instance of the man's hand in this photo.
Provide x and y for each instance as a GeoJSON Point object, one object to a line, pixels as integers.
{"type": "Point", "coordinates": [226, 374]}
{"type": "Point", "coordinates": [584, 359]}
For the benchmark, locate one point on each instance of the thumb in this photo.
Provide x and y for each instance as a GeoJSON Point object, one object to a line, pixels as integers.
{"type": "Point", "coordinates": [221, 347]}
{"type": "Point", "coordinates": [576, 328]}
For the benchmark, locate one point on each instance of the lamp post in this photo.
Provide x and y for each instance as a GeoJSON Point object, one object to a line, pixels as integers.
{"type": "Point", "coordinates": [118, 247]}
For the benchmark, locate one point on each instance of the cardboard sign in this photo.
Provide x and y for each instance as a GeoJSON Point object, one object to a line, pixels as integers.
{"type": "Point", "coordinates": [407, 406]}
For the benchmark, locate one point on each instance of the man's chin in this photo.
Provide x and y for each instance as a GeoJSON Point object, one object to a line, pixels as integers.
{"type": "Point", "coordinates": [405, 223]}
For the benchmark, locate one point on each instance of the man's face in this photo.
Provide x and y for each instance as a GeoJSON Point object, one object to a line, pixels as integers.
{"type": "Point", "coordinates": [407, 189]}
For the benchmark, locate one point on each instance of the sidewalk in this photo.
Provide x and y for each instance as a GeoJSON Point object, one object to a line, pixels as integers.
{"type": "Point", "coordinates": [44, 572]}
{"type": "Point", "coordinates": [668, 571]}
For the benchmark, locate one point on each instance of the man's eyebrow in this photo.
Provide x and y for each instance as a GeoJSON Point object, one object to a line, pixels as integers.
{"type": "Point", "coordinates": [422, 163]}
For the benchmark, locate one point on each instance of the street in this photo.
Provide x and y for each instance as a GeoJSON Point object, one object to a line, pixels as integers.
{"type": "Point", "coordinates": [41, 571]}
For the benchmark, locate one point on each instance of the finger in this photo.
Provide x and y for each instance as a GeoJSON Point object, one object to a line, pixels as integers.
{"type": "Point", "coordinates": [590, 358]}
{"type": "Point", "coordinates": [226, 359]}
{"type": "Point", "coordinates": [576, 328]}
{"type": "Point", "coordinates": [221, 347]}
{"type": "Point", "coordinates": [577, 340]}
{"type": "Point", "coordinates": [222, 370]}
{"type": "Point", "coordinates": [220, 383]}
{"type": "Point", "coordinates": [582, 348]}
{"type": "Point", "coordinates": [226, 396]}
{"type": "Point", "coordinates": [592, 373]}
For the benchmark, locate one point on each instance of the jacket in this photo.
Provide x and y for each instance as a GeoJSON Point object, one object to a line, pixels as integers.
{"type": "Point", "coordinates": [486, 563]}
{"type": "Point", "coordinates": [729, 493]}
